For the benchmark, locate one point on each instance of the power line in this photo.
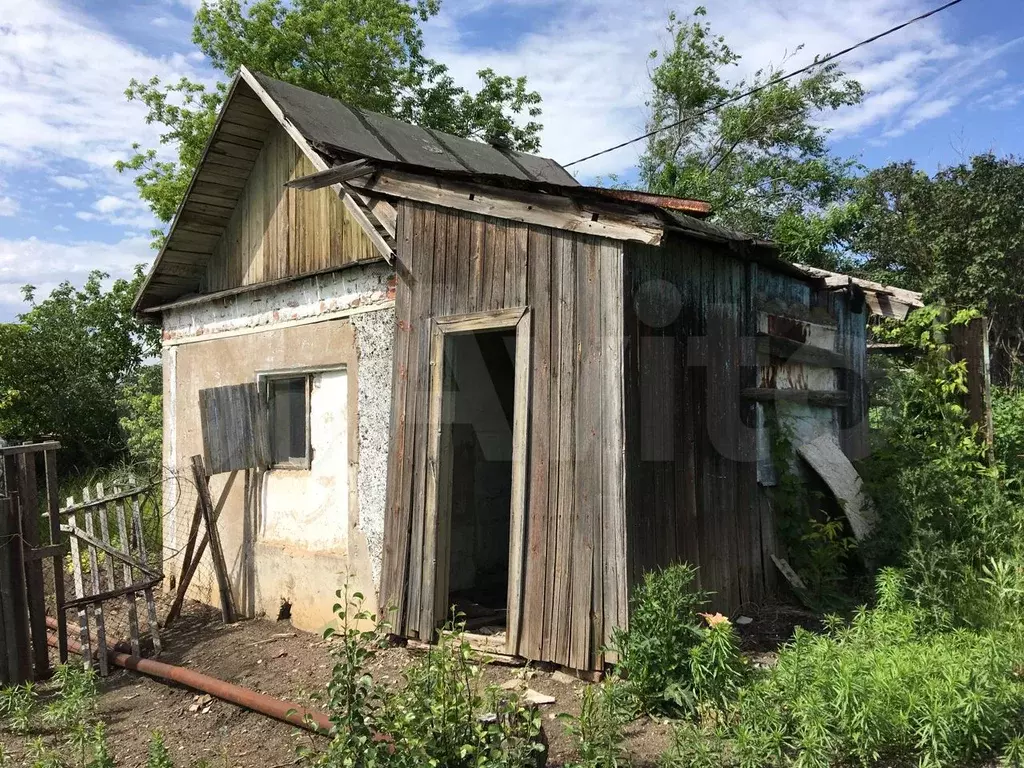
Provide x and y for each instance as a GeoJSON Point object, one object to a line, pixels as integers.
{"type": "Point", "coordinates": [770, 83]}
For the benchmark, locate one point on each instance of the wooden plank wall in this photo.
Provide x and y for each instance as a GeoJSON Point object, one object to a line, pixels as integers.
{"type": "Point", "coordinates": [851, 342]}
{"type": "Point", "coordinates": [692, 491]}
{"type": "Point", "coordinates": [276, 232]}
{"type": "Point", "coordinates": [452, 262]}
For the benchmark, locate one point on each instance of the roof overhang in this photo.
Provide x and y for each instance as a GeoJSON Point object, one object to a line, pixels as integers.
{"type": "Point", "coordinates": [243, 125]}
{"type": "Point", "coordinates": [882, 300]}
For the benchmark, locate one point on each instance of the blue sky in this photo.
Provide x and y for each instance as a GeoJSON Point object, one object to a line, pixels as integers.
{"type": "Point", "coordinates": [938, 92]}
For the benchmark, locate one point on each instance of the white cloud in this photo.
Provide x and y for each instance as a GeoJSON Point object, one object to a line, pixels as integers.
{"type": "Point", "coordinates": [8, 206]}
{"type": "Point", "coordinates": [109, 204]}
{"type": "Point", "coordinates": [45, 263]}
{"type": "Point", "coordinates": [161, 21]}
{"type": "Point", "coordinates": [61, 228]}
{"type": "Point", "coordinates": [70, 182]}
{"type": "Point", "coordinates": [62, 81]}
{"type": "Point", "coordinates": [589, 61]}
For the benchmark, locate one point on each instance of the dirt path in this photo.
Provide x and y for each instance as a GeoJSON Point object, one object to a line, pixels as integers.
{"type": "Point", "coordinates": [274, 658]}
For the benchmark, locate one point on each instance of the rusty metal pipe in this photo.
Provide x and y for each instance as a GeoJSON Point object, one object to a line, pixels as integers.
{"type": "Point", "coordinates": [310, 719]}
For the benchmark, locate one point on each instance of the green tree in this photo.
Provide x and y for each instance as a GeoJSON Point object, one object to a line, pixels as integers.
{"type": "Point", "coordinates": [368, 53]}
{"type": "Point", "coordinates": [63, 363]}
{"type": "Point", "coordinates": [762, 162]}
{"type": "Point", "coordinates": [956, 235]}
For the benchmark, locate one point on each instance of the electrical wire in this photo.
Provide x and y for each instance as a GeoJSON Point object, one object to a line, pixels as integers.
{"type": "Point", "coordinates": [770, 83]}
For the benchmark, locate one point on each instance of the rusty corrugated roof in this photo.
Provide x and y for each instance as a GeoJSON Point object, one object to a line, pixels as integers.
{"type": "Point", "coordinates": [692, 207]}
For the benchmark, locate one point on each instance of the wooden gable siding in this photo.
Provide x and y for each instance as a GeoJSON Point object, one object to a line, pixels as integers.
{"type": "Point", "coordinates": [275, 232]}
{"type": "Point", "coordinates": [692, 490]}
{"type": "Point", "coordinates": [452, 263]}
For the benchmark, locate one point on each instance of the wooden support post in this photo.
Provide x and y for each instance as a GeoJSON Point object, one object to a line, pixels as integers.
{"type": "Point", "coordinates": [970, 343]}
{"type": "Point", "coordinates": [83, 612]}
{"type": "Point", "coordinates": [219, 565]}
{"type": "Point", "coordinates": [53, 508]}
{"type": "Point", "coordinates": [28, 511]}
{"type": "Point", "coordinates": [13, 597]}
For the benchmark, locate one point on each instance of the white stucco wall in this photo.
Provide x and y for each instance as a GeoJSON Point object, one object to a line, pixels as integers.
{"type": "Point", "coordinates": [310, 507]}
{"type": "Point", "coordinates": [311, 530]}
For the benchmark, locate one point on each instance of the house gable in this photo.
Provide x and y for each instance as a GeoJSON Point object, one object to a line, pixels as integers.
{"type": "Point", "coordinates": [276, 232]}
{"type": "Point", "coordinates": [220, 237]}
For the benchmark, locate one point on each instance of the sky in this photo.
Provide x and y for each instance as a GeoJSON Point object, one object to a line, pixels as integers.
{"type": "Point", "coordinates": [938, 92]}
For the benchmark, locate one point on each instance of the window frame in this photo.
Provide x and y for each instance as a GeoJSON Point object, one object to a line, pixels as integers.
{"type": "Point", "coordinates": [263, 379]}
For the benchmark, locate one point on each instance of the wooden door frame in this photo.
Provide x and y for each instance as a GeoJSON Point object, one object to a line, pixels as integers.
{"type": "Point", "coordinates": [437, 512]}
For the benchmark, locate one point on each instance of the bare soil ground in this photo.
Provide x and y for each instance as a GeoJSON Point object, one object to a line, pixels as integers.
{"type": "Point", "coordinates": [276, 659]}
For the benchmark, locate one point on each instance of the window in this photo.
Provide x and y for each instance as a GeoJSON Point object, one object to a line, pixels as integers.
{"type": "Point", "coordinates": [288, 414]}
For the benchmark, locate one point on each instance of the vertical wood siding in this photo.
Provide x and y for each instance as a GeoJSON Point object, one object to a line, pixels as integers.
{"type": "Point", "coordinates": [453, 263]}
{"type": "Point", "coordinates": [690, 440]}
{"type": "Point", "coordinates": [276, 232]}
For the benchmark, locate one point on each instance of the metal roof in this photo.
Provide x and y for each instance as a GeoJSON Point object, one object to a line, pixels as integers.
{"type": "Point", "coordinates": [334, 125]}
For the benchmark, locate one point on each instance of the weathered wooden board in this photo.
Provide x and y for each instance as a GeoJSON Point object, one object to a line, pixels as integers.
{"type": "Point", "coordinates": [273, 231]}
{"type": "Point", "coordinates": [234, 429]}
{"type": "Point", "coordinates": [452, 264]}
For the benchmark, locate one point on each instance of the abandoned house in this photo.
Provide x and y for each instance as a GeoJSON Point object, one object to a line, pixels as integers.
{"type": "Point", "coordinates": [447, 374]}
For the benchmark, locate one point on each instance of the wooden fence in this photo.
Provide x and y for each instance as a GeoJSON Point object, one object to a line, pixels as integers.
{"type": "Point", "coordinates": [111, 570]}
{"type": "Point", "coordinates": [24, 653]}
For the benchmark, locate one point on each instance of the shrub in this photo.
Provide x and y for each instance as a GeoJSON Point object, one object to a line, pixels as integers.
{"type": "Point", "coordinates": [654, 653]}
{"type": "Point", "coordinates": [672, 663]}
{"type": "Point", "coordinates": [717, 667]}
{"type": "Point", "coordinates": [885, 689]}
{"type": "Point", "coordinates": [944, 513]}
{"type": "Point", "coordinates": [440, 717]}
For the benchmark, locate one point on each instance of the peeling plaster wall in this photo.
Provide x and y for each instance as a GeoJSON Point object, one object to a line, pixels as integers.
{"type": "Point", "coordinates": [346, 292]}
{"type": "Point", "coordinates": [295, 535]}
{"type": "Point", "coordinates": [375, 332]}
{"type": "Point", "coordinates": [309, 507]}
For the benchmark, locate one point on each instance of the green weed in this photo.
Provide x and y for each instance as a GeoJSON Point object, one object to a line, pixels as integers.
{"type": "Point", "coordinates": [439, 717]}
{"type": "Point", "coordinates": [597, 732]}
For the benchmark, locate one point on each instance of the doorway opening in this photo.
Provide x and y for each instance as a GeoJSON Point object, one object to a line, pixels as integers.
{"type": "Point", "coordinates": [480, 393]}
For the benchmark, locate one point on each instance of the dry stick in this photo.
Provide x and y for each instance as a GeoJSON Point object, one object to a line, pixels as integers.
{"type": "Point", "coordinates": [219, 565]}
{"type": "Point", "coordinates": [53, 507]}
{"type": "Point", "coordinates": [76, 562]}
{"type": "Point", "coordinates": [94, 570]}
{"type": "Point", "coordinates": [154, 632]}
{"type": "Point", "coordinates": [129, 578]}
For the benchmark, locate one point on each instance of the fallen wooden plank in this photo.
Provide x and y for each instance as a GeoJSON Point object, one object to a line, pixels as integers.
{"type": "Point", "coordinates": [826, 458]}
{"type": "Point", "coordinates": [334, 175]}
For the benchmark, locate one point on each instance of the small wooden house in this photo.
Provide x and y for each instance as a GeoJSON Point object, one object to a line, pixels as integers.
{"type": "Point", "coordinates": [448, 374]}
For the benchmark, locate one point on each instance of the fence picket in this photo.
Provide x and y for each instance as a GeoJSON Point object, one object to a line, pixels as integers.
{"type": "Point", "coordinates": [129, 577]}
{"type": "Point", "coordinates": [76, 563]}
{"type": "Point", "coordinates": [94, 572]}
{"type": "Point", "coordinates": [154, 632]}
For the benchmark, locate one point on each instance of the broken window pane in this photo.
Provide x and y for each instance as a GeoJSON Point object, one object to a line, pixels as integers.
{"type": "Point", "coordinates": [289, 440]}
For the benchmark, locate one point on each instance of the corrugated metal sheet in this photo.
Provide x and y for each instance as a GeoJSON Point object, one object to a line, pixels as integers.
{"type": "Point", "coordinates": [333, 124]}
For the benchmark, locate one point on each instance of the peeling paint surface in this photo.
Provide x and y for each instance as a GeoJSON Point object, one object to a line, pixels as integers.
{"type": "Point", "coordinates": [374, 339]}
{"type": "Point", "coordinates": [320, 296]}
{"type": "Point", "coordinates": [309, 507]}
